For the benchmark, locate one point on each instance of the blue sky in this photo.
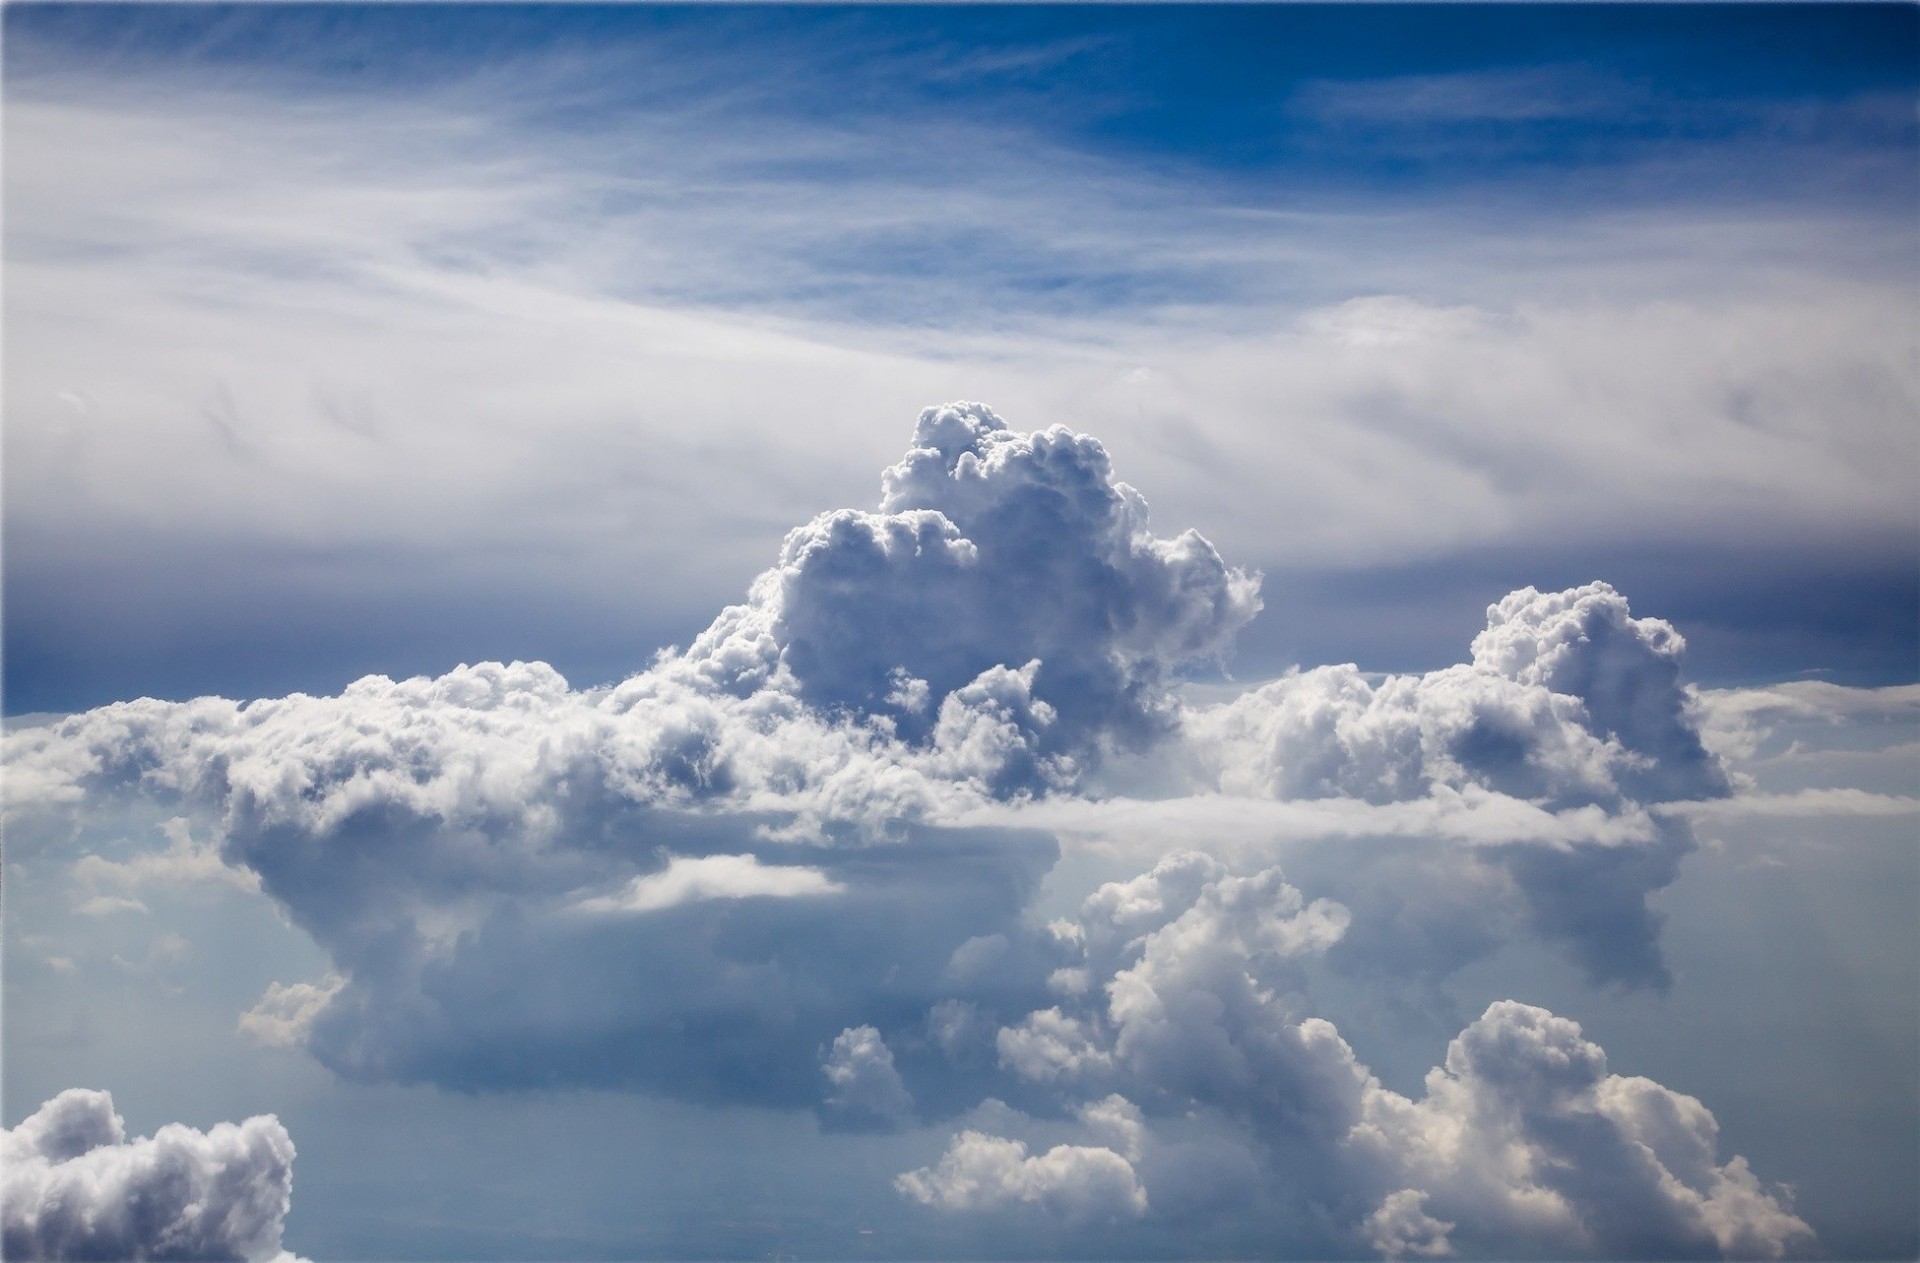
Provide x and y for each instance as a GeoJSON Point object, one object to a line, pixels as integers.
{"type": "Point", "coordinates": [1044, 200]}
{"type": "Point", "coordinates": [937, 855]}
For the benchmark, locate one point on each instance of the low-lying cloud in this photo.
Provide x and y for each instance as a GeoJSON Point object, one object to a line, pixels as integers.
{"type": "Point", "coordinates": [795, 865]}
{"type": "Point", "coordinates": [73, 1186]}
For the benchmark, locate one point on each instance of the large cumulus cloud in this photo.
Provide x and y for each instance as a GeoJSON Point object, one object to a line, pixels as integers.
{"type": "Point", "coordinates": [699, 876]}
{"type": "Point", "coordinates": [72, 1186]}
{"type": "Point", "coordinates": [992, 550]}
{"type": "Point", "coordinates": [768, 868]}
{"type": "Point", "coordinates": [1190, 1000]}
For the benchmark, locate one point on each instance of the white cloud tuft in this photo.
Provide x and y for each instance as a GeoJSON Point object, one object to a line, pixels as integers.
{"type": "Point", "coordinates": [1048, 1045]}
{"type": "Point", "coordinates": [1118, 1120]}
{"type": "Point", "coordinates": [283, 1017]}
{"type": "Point", "coordinates": [861, 1076]}
{"type": "Point", "coordinates": [1400, 1227]}
{"type": "Point", "coordinates": [982, 1173]}
{"type": "Point", "coordinates": [992, 551]}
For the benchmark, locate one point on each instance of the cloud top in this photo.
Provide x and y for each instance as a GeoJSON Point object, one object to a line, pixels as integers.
{"type": "Point", "coordinates": [991, 550]}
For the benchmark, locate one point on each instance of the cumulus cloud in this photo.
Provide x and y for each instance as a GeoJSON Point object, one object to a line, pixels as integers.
{"type": "Point", "coordinates": [1003, 620]}
{"type": "Point", "coordinates": [1400, 1227]}
{"type": "Point", "coordinates": [73, 1186]}
{"type": "Point", "coordinates": [1050, 1045]}
{"type": "Point", "coordinates": [1119, 1121]}
{"type": "Point", "coordinates": [993, 551]}
{"type": "Point", "coordinates": [283, 1016]}
{"type": "Point", "coordinates": [706, 879]}
{"type": "Point", "coordinates": [1190, 965]}
{"type": "Point", "coordinates": [1568, 702]}
{"type": "Point", "coordinates": [1525, 1143]}
{"type": "Point", "coordinates": [861, 1078]}
{"type": "Point", "coordinates": [1567, 699]}
{"type": "Point", "coordinates": [982, 1173]}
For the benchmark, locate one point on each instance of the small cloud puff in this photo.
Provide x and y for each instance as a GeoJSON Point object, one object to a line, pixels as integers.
{"type": "Point", "coordinates": [985, 1174]}
{"type": "Point", "coordinates": [73, 1186]}
{"type": "Point", "coordinates": [991, 549]}
{"type": "Point", "coordinates": [688, 879]}
{"type": "Point", "coordinates": [861, 1078]}
{"type": "Point", "coordinates": [283, 1017]}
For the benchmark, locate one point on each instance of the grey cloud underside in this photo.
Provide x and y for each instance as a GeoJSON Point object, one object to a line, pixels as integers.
{"type": "Point", "coordinates": [742, 874]}
{"type": "Point", "coordinates": [73, 1186]}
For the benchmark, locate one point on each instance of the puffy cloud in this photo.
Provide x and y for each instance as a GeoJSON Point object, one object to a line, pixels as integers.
{"type": "Point", "coordinates": [1568, 702]}
{"type": "Point", "coordinates": [1193, 969]}
{"type": "Point", "coordinates": [1567, 699]}
{"type": "Point", "coordinates": [861, 1077]}
{"type": "Point", "coordinates": [1525, 1143]}
{"type": "Point", "coordinates": [1003, 618]}
{"type": "Point", "coordinates": [1400, 1227]}
{"type": "Point", "coordinates": [1050, 1045]}
{"type": "Point", "coordinates": [1119, 1121]}
{"type": "Point", "coordinates": [991, 549]}
{"type": "Point", "coordinates": [982, 1173]}
{"type": "Point", "coordinates": [74, 1186]}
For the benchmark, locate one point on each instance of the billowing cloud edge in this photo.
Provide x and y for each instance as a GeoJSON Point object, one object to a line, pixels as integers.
{"type": "Point", "coordinates": [72, 1185]}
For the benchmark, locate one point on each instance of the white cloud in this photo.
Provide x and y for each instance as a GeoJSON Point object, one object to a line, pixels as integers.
{"type": "Point", "coordinates": [686, 879]}
{"type": "Point", "coordinates": [1801, 804]}
{"type": "Point", "coordinates": [861, 1076]}
{"type": "Point", "coordinates": [1524, 1142]}
{"type": "Point", "coordinates": [1737, 722]}
{"type": "Point", "coordinates": [1400, 1227]}
{"type": "Point", "coordinates": [982, 1174]}
{"type": "Point", "coordinates": [283, 1016]}
{"type": "Point", "coordinates": [73, 1186]}
{"type": "Point", "coordinates": [1345, 387]}
{"type": "Point", "coordinates": [1568, 699]}
{"type": "Point", "coordinates": [900, 695]}
{"type": "Point", "coordinates": [1049, 1045]}
{"type": "Point", "coordinates": [1119, 1121]}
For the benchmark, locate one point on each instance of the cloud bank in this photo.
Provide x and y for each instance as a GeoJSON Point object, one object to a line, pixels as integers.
{"type": "Point", "coordinates": [1522, 1144]}
{"type": "Point", "coordinates": [795, 863]}
{"type": "Point", "coordinates": [72, 1186]}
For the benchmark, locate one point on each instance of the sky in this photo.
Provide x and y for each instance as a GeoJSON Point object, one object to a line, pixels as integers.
{"type": "Point", "coordinates": [735, 631]}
